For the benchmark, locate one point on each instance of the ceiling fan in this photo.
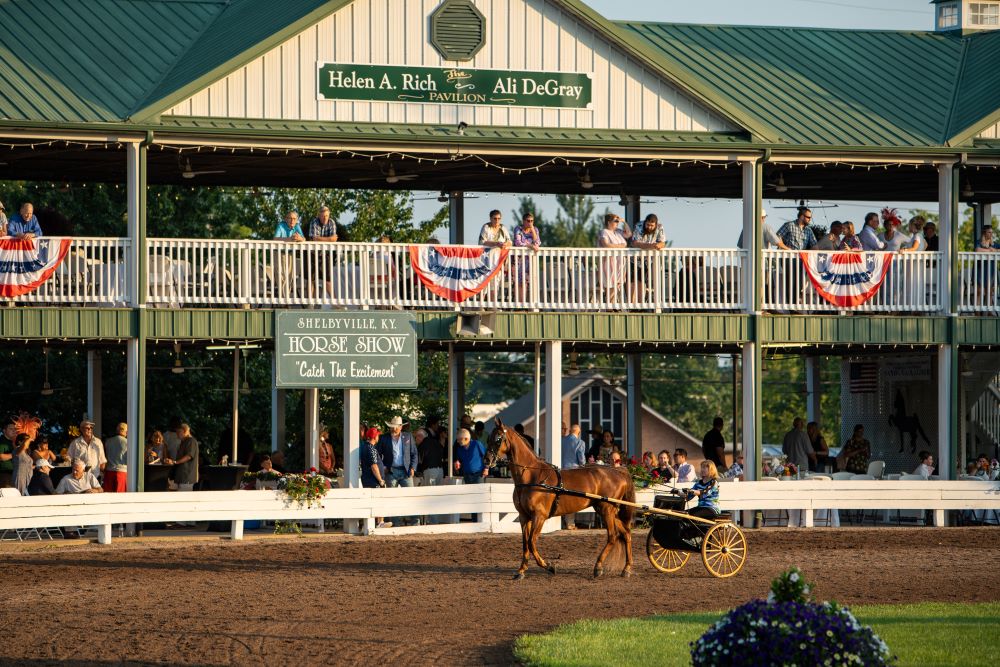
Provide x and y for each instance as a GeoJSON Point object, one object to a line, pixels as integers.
{"type": "Point", "coordinates": [178, 366]}
{"type": "Point", "coordinates": [188, 172]}
{"type": "Point", "coordinates": [781, 188]}
{"type": "Point", "coordinates": [969, 193]}
{"type": "Point", "coordinates": [445, 197]}
{"type": "Point", "coordinates": [804, 203]}
{"type": "Point", "coordinates": [586, 183]}
{"type": "Point", "coordinates": [390, 176]}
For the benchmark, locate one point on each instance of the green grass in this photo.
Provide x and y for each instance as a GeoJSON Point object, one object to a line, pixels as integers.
{"type": "Point", "coordinates": [925, 634]}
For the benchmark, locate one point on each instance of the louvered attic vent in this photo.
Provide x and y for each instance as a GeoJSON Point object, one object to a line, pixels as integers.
{"type": "Point", "coordinates": [458, 30]}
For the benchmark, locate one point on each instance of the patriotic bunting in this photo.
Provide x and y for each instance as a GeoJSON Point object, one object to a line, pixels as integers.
{"type": "Point", "coordinates": [27, 263]}
{"type": "Point", "coordinates": [456, 272]}
{"type": "Point", "coordinates": [846, 279]}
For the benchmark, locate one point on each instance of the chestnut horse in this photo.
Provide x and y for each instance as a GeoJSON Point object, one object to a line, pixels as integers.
{"type": "Point", "coordinates": [535, 503]}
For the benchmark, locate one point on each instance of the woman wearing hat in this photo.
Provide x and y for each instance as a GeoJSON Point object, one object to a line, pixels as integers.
{"type": "Point", "coordinates": [41, 481]}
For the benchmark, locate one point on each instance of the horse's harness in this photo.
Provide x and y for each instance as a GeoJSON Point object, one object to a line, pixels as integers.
{"type": "Point", "coordinates": [556, 490]}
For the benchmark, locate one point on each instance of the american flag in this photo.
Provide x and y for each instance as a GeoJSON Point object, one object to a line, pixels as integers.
{"type": "Point", "coordinates": [864, 377]}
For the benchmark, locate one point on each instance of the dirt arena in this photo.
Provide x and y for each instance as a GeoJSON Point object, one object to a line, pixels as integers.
{"type": "Point", "coordinates": [444, 600]}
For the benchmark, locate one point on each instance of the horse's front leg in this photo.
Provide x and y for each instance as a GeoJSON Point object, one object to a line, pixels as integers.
{"type": "Point", "coordinates": [537, 523]}
{"type": "Point", "coordinates": [525, 532]}
{"type": "Point", "coordinates": [608, 514]}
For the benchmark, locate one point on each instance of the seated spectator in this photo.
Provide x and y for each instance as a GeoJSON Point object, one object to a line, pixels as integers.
{"type": "Point", "coordinates": [267, 465]}
{"type": "Point", "coordinates": [79, 480]}
{"type": "Point", "coordinates": [831, 241]}
{"type": "Point", "coordinates": [983, 470]}
{"type": "Point", "coordinates": [41, 481]}
{"type": "Point", "coordinates": [278, 461]}
{"type": "Point", "coordinates": [856, 453]}
{"type": "Point", "coordinates": [289, 228]}
{"type": "Point", "coordinates": [926, 467]}
{"type": "Point", "coordinates": [616, 460]}
{"type": "Point", "coordinates": [850, 240]}
{"type": "Point", "coordinates": [155, 447]}
{"type": "Point", "coordinates": [607, 445]}
{"type": "Point", "coordinates": [663, 470]}
{"type": "Point", "coordinates": [24, 224]}
{"type": "Point", "coordinates": [736, 470]}
{"type": "Point", "coordinates": [685, 471]}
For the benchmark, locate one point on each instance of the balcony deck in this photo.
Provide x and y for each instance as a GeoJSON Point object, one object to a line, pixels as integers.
{"type": "Point", "coordinates": [217, 273]}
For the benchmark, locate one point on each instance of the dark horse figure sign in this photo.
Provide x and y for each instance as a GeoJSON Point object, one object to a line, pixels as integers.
{"type": "Point", "coordinates": [536, 499]}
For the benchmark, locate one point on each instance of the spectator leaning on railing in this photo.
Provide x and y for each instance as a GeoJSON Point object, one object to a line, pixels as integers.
{"type": "Point", "coordinates": [493, 234]}
{"type": "Point", "coordinates": [3, 221]}
{"type": "Point", "coordinates": [869, 234]}
{"type": "Point", "coordinates": [796, 233]}
{"type": "Point", "coordinates": [323, 228]}
{"type": "Point", "coordinates": [289, 228]}
{"type": "Point", "coordinates": [23, 224]}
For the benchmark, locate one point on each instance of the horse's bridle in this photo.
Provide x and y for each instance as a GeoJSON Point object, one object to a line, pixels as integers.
{"type": "Point", "coordinates": [511, 462]}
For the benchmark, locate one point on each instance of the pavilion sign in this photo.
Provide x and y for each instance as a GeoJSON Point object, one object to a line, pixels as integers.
{"type": "Point", "coordinates": [454, 85]}
{"type": "Point", "coordinates": [349, 349]}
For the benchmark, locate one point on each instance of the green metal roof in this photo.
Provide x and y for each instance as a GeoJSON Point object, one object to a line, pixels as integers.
{"type": "Point", "coordinates": [836, 87]}
{"type": "Point", "coordinates": [129, 60]}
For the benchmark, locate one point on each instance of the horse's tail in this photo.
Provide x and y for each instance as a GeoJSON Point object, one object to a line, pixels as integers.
{"type": "Point", "coordinates": [625, 512]}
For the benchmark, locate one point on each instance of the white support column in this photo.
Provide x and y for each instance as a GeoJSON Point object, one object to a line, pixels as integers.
{"type": "Point", "coordinates": [750, 411]}
{"type": "Point", "coordinates": [135, 433]}
{"type": "Point", "coordinates": [946, 448]}
{"type": "Point", "coordinates": [553, 403]}
{"type": "Point", "coordinates": [946, 207]}
{"type": "Point", "coordinates": [751, 232]}
{"type": "Point", "coordinates": [133, 198]}
{"type": "Point", "coordinates": [814, 390]}
{"type": "Point", "coordinates": [537, 430]}
{"type": "Point", "coordinates": [633, 434]}
{"type": "Point", "coordinates": [94, 390]}
{"type": "Point", "coordinates": [312, 428]}
{"type": "Point", "coordinates": [352, 438]}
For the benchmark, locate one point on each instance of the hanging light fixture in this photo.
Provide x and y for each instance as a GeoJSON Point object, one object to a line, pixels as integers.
{"type": "Point", "coordinates": [574, 367]}
{"type": "Point", "coordinates": [46, 387]}
{"type": "Point", "coordinates": [245, 387]}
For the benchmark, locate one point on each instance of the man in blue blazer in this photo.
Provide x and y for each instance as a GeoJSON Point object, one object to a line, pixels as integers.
{"type": "Point", "coordinates": [399, 453]}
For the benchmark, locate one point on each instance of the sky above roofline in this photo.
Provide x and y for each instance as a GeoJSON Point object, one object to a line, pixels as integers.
{"type": "Point", "coordinates": [853, 14]}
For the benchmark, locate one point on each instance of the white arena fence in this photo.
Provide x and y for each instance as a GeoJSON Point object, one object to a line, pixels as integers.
{"type": "Point", "coordinates": [491, 502]}
{"type": "Point", "coordinates": [276, 273]}
{"type": "Point", "coordinates": [911, 284]}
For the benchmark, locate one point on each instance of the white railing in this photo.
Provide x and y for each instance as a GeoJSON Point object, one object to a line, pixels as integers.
{"type": "Point", "coordinates": [275, 273]}
{"type": "Point", "coordinates": [979, 282]}
{"type": "Point", "coordinates": [912, 284]}
{"type": "Point", "coordinates": [492, 502]}
{"type": "Point", "coordinates": [93, 273]}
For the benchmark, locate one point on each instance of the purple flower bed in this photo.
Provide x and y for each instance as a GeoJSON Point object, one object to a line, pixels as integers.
{"type": "Point", "coordinates": [789, 629]}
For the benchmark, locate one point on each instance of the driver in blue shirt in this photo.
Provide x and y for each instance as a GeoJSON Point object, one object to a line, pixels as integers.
{"type": "Point", "coordinates": [24, 224]}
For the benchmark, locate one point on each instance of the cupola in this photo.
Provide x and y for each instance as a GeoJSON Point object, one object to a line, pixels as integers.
{"type": "Point", "coordinates": [966, 15]}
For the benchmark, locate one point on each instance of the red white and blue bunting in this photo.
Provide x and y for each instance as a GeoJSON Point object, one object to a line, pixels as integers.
{"type": "Point", "coordinates": [26, 264]}
{"type": "Point", "coordinates": [456, 272]}
{"type": "Point", "coordinates": [846, 279]}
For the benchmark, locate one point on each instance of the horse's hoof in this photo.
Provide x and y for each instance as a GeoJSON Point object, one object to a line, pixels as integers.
{"type": "Point", "coordinates": [598, 572]}
{"type": "Point", "coordinates": [551, 569]}
{"type": "Point", "coordinates": [627, 572]}
{"type": "Point", "coordinates": [518, 576]}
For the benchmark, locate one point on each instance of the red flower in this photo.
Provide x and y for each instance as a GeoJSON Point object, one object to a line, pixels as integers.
{"type": "Point", "coordinates": [634, 460]}
{"type": "Point", "coordinates": [312, 469]}
{"type": "Point", "coordinates": [656, 474]}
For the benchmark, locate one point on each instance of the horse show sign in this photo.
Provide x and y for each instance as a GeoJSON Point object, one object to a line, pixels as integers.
{"type": "Point", "coordinates": [347, 349]}
{"type": "Point", "coordinates": [454, 85]}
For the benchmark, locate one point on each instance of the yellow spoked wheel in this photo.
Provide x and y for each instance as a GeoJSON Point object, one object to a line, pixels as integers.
{"type": "Point", "coordinates": [664, 560]}
{"type": "Point", "coordinates": [724, 550]}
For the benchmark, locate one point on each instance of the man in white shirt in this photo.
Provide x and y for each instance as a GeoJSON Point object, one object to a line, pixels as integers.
{"type": "Point", "coordinates": [869, 234]}
{"type": "Point", "coordinates": [493, 234]}
{"type": "Point", "coordinates": [89, 449]}
{"type": "Point", "coordinates": [685, 471]}
{"type": "Point", "coordinates": [79, 480]}
{"type": "Point", "coordinates": [926, 467]}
